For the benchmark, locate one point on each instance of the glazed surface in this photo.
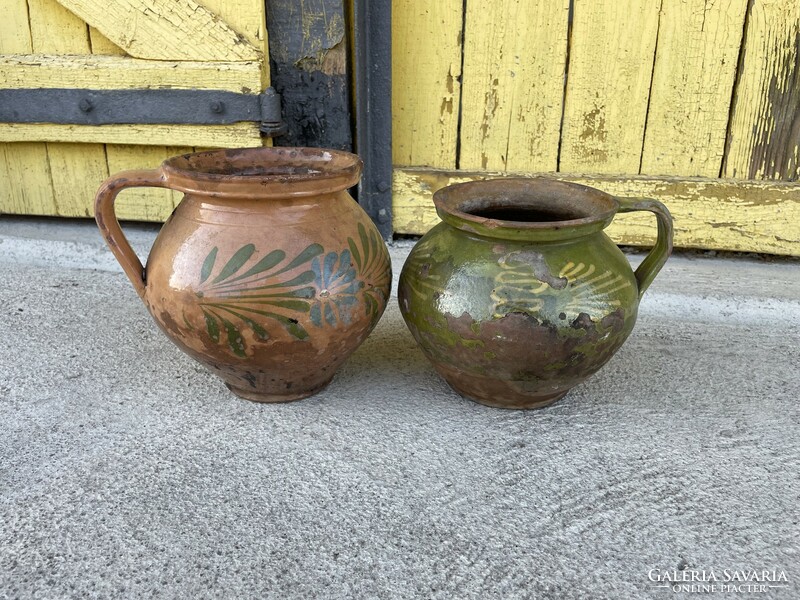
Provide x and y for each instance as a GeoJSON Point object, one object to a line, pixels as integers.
{"type": "Point", "coordinates": [515, 323]}
{"type": "Point", "coordinates": [272, 295]}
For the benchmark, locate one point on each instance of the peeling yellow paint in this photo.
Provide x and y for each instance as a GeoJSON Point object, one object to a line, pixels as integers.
{"type": "Point", "coordinates": [514, 61]}
{"type": "Point", "coordinates": [608, 85]}
{"type": "Point", "coordinates": [764, 124]}
{"type": "Point", "coordinates": [723, 214]}
{"type": "Point", "coordinates": [693, 77]}
{"type": "Point", "coordinates": [426, 59]}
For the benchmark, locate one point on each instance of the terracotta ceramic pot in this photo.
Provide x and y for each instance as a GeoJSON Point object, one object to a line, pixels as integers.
{"type": "Point", "coordinates": [518, 295]}
{"type": "Point", "coordinates": [267, 272]}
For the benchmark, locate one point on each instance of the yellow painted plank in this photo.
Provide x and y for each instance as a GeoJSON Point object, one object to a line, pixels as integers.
{"type": "Point", "coordinates": [174, 30]}
{"type": "Point", "coordinates": [213, 136]}
{"type": "Point", "coordinates": [24, 170]}
{"type": "Point", "coordinates": [15, 33]}
{"type": "Point", "coordinates": [143, 204]}
{"type": "Point", "coordinates": [765, 125]}
{"type": "Point", "coordinates": [608, 84]}
{"type": "Point", "coordinates": [102, 45]}
{"type": "Point", "coordinates": [426, 69]}
{"type": "Point", "coordinates": [513, 84]}
{"type": "Point", "coordinates": [76, 169]}
{"type": "Point", "coordinates": [696, 56]}
{"type": "Point", "coordinates": [137, 204]}
{"type": "Point", "coordinates": [249, 18]}
{"type": "Point", "coordinates": [749, 216]}
{"type": "Point", "coordinates": [25, 182]}
{"type": "Point", "coordinates": [55, 30]}
{"type": "Point", "coordinates": [119, 72]}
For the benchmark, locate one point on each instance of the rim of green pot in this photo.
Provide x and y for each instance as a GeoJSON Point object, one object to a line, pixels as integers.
{"type": "Point", "coordinates": [525, 208]}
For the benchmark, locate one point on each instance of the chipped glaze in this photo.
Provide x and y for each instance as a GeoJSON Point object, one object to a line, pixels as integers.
{"type": "Point", "coordinates": [518, 295]}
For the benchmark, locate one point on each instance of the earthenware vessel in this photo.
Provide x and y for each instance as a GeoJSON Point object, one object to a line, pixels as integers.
{"type": "Point", "coordinates": [518, 295]}
{"type": "Point", "coordinates": [267, 272]}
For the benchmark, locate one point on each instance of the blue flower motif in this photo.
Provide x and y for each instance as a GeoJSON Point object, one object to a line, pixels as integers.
{"type": "Point", "coordinates": [335, 279]}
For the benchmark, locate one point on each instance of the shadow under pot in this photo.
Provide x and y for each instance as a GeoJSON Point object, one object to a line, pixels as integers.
{"type": "Point", "coordinates": [518, 295]}
{"type": "Point", "coordinates": [267, 272]}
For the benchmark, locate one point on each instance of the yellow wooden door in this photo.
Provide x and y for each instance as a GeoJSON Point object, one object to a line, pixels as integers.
{"type": "Point", "coordinates": [693, 102]}
{"type": "Point", "coordinates": [54, 169]}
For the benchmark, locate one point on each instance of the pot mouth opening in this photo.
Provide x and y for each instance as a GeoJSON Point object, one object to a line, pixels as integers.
{"type": "Point", "coordinates": [312, 170]}
{"type": "Point", "coordinates": [536, 212]}
{"type": "Point", "coordinates": [525, 207]}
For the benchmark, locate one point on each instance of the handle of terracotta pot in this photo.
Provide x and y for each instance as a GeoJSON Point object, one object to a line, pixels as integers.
{"type": "Point", "coordinates": [109, 225]}
{"type": "Point", "coordinates": [659, 254]}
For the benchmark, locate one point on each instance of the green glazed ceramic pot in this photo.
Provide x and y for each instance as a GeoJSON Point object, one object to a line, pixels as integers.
{"type": "Point", "coordinates": [518, 295]}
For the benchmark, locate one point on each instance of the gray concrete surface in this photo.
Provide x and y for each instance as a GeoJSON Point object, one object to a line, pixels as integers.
{"type": "Point", "coordinates": [127, 471]}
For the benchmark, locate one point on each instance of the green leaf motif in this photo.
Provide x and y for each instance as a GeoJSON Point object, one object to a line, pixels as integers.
{"type": "Point", "coordinates": [251, 290]}
{"type": "Point", "coordinates": [374, 271]}
{"type": "Point", "coordinates": [236, 262]}
{"type": "Point", "coordinates": [235, 340]}
{"type": "Point", "coordinates": [265, 264]}
{"type": "Point", "coordinates": [212, 326]}
{"type": "Point", "coordinates": [208, 265]}
{"type": "Point", "coordinates": [354, 251]}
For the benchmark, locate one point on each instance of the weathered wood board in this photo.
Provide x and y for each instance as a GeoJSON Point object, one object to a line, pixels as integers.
{"type": "Point", "coordinates": [693, 77]}
{"type": "Point", "coordinates": [24, 170]}
{"type": "Point", "coordinates": [513, 86]}
{"type": "Point", "coordinates": [76, 170]}
{"type": "Point", "coordinates": [164, 30]}
{"type": "Point", "coordinates": [722, 214]}
{"type": "Point", "coordinates": [608, 85]}
{"type": "Point", "coordinates": [309, 70]}
{"type": "Point", "coordinates": [764, 139]}
{"type": "Point", "coordinates": [426, 71]}
{"type": "Point", "coordinates": [219, 45]}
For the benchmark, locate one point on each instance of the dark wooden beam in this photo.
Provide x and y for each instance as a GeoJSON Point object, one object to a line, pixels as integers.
{"type": "Point", "coordinates": [308, 63]}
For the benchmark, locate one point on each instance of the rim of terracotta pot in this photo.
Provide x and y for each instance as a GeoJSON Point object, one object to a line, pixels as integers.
{"type": "Point", "coordinates": [525, 208]}
{"type": "Point", "coordinates": [263, 173]}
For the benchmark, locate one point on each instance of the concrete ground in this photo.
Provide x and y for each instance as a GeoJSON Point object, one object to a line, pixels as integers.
{"type": "Point", "coordinates": [127, 471]}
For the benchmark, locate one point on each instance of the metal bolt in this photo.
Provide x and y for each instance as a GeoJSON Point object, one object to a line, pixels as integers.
{"type": "Point", "coordinates": [217, 107]}
{"type": "Point", "coordinates": [85, 105]}
{"type": "Point", "coordinates": [383, 186]}
{"type": "Point", "coordinates": [383, 215]}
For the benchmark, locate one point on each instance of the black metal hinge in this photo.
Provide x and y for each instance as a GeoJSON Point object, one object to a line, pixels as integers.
{"type": "Point", "coordinates": [130, 107]}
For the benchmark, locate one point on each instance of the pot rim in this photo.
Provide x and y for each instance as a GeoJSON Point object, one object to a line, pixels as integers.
{"type": "Point", "coordinates": [593, 209]}
{"type": "Point", "coordinates": [261, 173]}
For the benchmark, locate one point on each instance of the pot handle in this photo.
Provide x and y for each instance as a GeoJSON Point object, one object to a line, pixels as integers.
{"type": "Point", "coordinates": [109, 226]}
{"type": "Point", "coordinates": [659, 254]}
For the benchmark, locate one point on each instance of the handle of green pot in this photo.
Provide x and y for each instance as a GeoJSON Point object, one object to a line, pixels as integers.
{"type": "Point", "coordinates": [659, 254]}
{"type": "Point", "coordinates": [109, 225]}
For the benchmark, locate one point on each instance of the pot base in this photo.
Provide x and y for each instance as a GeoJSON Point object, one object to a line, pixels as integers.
{"type": "Point", "coordinates": [494, 392]}
{"type": "Point", "coordinates": [256, 396]}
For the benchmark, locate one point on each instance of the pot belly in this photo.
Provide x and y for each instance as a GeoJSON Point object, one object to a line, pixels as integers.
{"type": "Point", "coordinates": [516, 325]}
